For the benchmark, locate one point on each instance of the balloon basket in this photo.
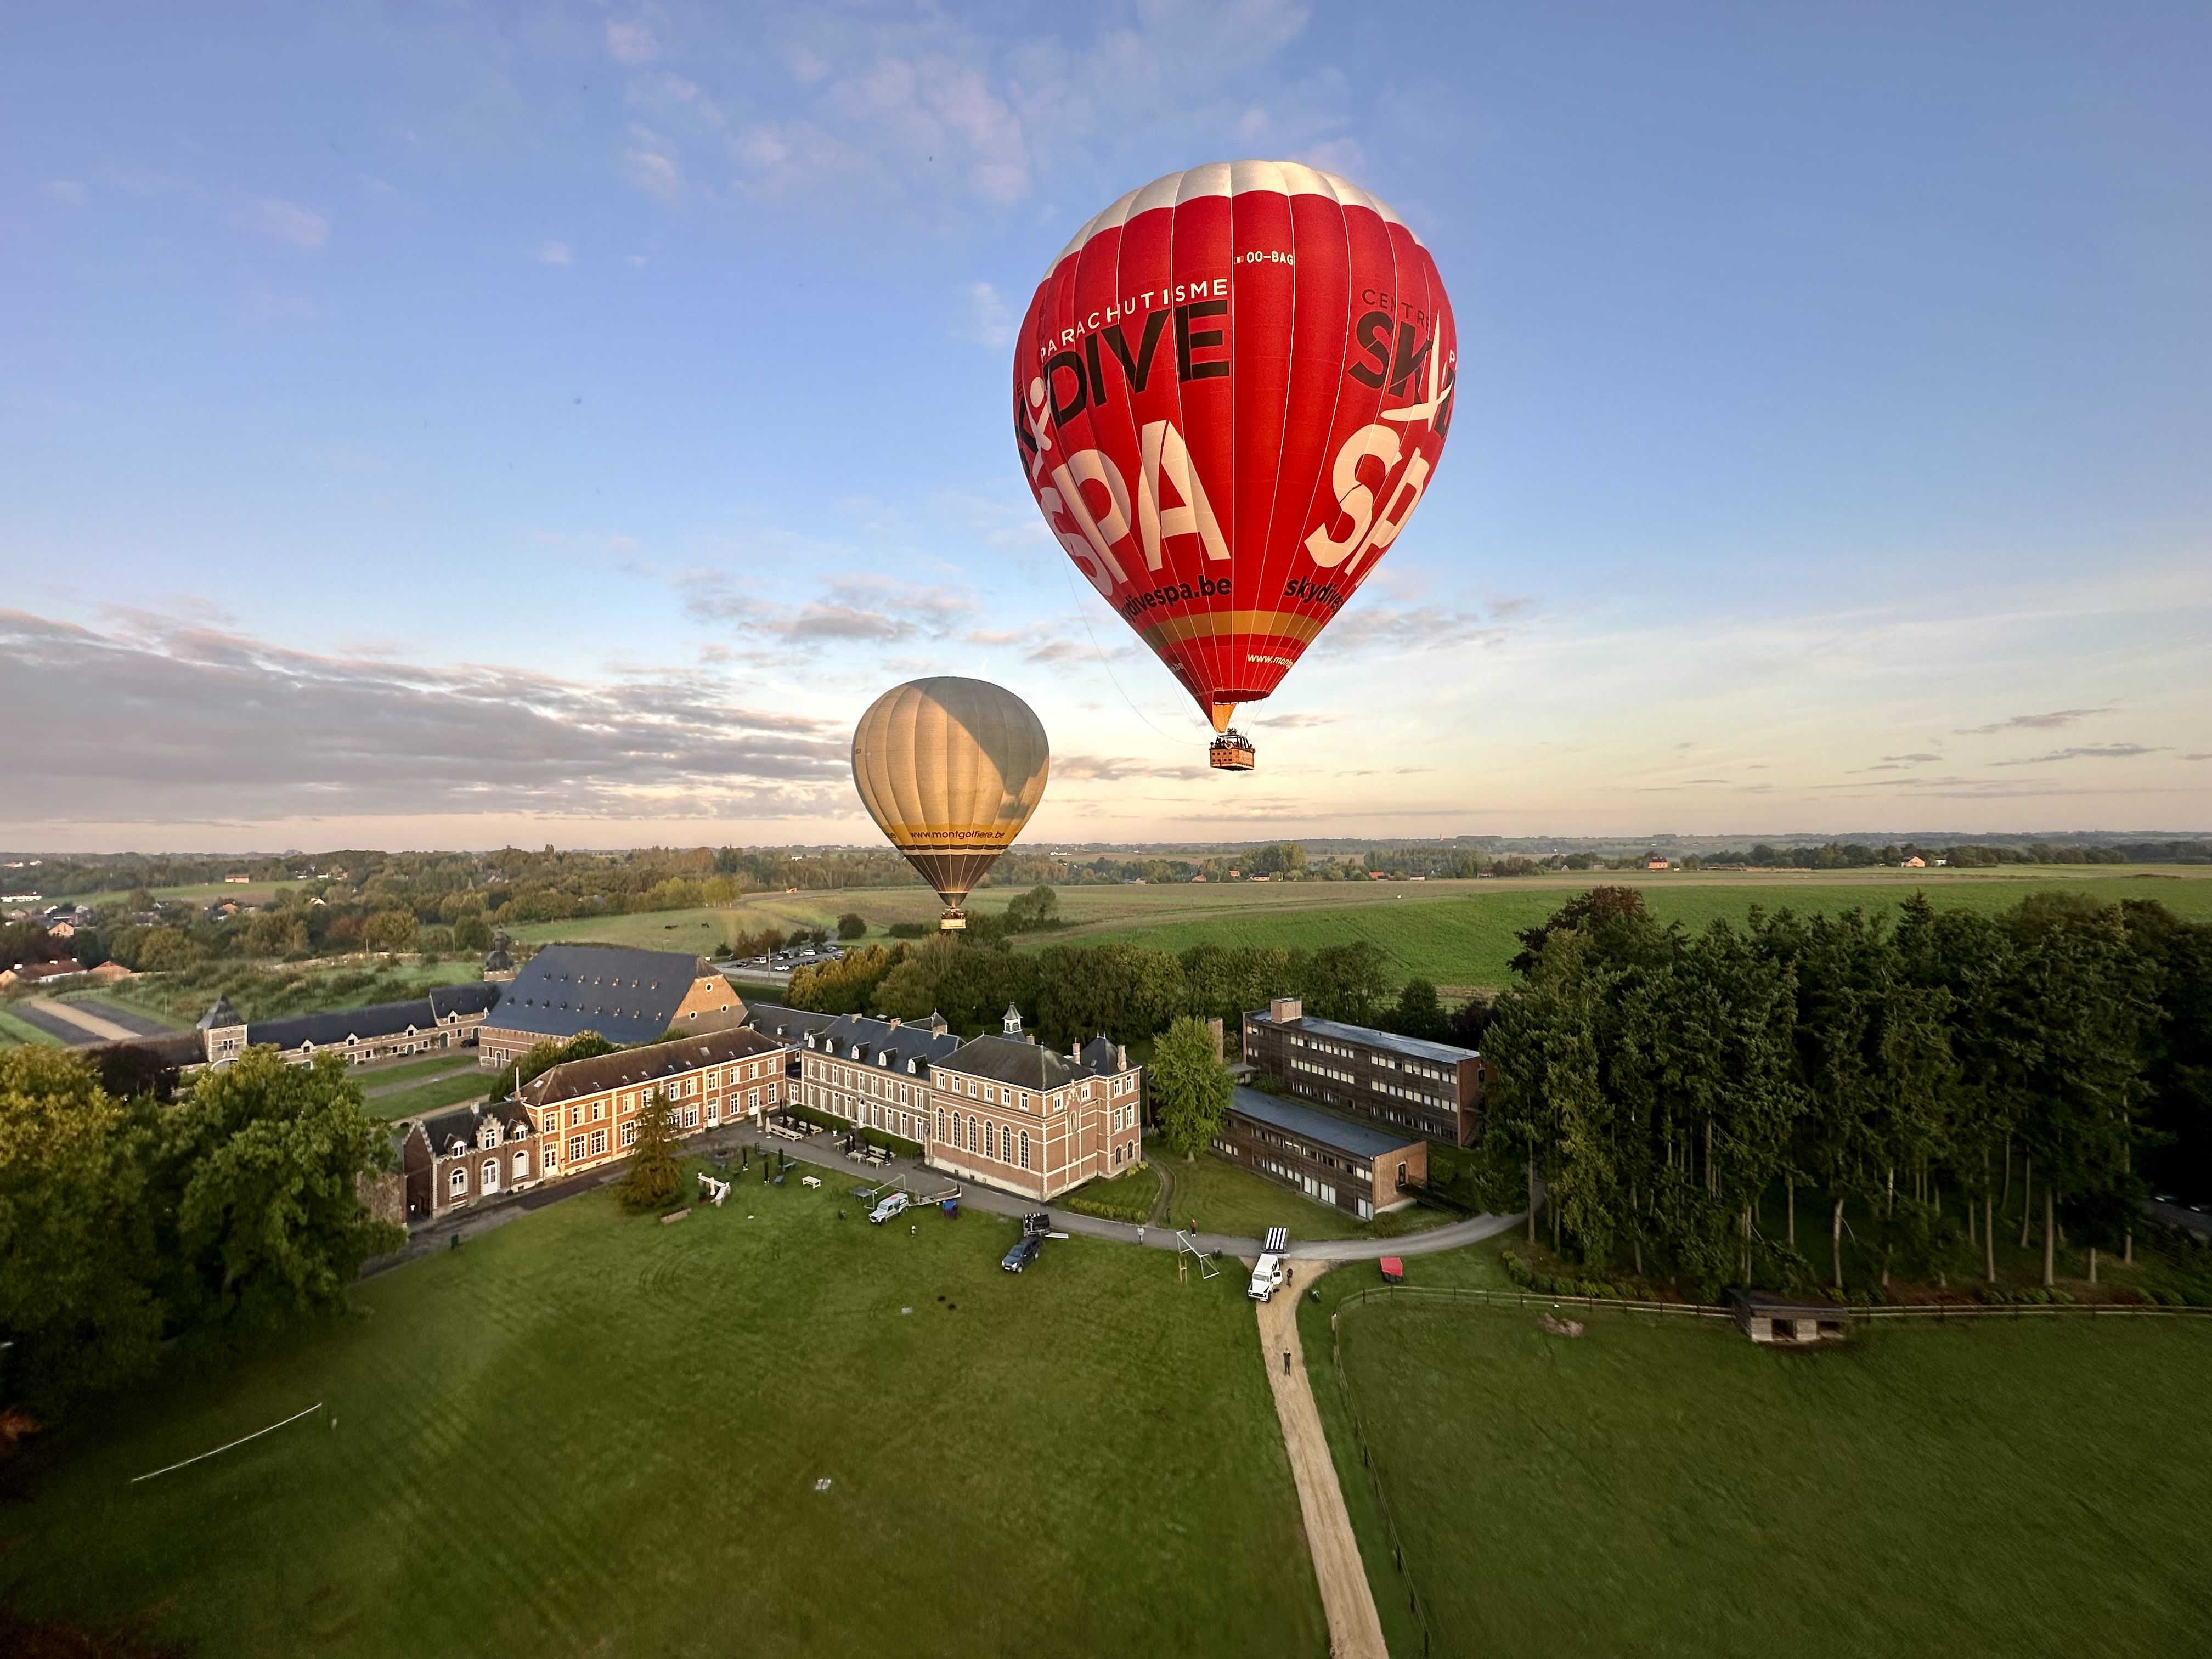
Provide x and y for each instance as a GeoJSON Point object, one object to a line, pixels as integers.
{"type": "Point", "coordinates": [952, 921]}
{"type": "Point", "coordinates": [1230, 752]}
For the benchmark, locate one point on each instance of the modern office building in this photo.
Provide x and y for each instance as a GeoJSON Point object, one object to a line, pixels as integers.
{"type": "Point", "coordinates": [1360, 1169]}
{"type": "Point", "coordinates": [1432, 1089]}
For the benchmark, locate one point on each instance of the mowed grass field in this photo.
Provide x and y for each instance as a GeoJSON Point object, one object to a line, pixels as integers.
{"type": "Point", "coordinates": [583, 1432]}
{"type": "Point", "coordinates": [1659, 1487]}
{"type": "Point", "coordinates": [1458, 934]}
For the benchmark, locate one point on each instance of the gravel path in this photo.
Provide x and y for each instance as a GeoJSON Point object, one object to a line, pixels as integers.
{"type": "Point", "coordinates": [1355, 1631]}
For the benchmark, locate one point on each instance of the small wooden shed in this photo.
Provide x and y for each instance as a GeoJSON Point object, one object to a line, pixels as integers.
{"type": "Point", "coordinates": [1779, 1322]}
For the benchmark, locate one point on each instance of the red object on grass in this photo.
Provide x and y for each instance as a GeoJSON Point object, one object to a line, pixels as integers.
{"type": "Point", "coordinates": [1393, 1269]}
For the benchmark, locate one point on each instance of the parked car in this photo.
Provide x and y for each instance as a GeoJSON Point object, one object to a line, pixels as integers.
{"type": "Point", "coordinates": [890, 1207]}
{"type": "Point", "coordinates": [1025, 1252]}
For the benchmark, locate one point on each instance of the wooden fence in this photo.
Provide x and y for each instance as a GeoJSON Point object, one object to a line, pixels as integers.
{"type": "Point", "coordinates": [1941, 1312]}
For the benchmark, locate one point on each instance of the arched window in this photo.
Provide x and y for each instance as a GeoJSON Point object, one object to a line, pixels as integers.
{"type": "Point", "coordinates": [990, 1140]}
{"type": "Point", "coordinates": [492, 1175]}
{"type": "Point", "coordinates": [521, 1165]}
{"type": "Point", "coordinates": [1025, 1149]}
{"type": "Point", "coordinates": [940, 1123]}
{"type": "Point", "coordinates": [458, 1183]}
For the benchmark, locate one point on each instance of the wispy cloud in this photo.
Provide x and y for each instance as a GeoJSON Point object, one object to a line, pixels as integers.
{"type": "Point", "coordinates": [2055, 718]}
{"type": "Point", "coordinates": [630, 42]}
{"type": "Point", "coordinates": [554, 253]}
{"type": "Point", "coordinates": [2095, 751]}
{"type": "Point", "coordinates": [649, 162]}
{"type": "Point", "coordinates": [1102, 768]}
{"type": "Point", "coordinates": [166, 720]}
{"type": "Point", "coordinates": [281, 221]}
{"type": "Point", "coordinates": [860, 609]}
{"type": "Point", "coordinates": [987, 322]}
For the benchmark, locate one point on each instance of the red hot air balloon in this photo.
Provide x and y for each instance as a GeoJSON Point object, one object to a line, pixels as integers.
{"type": "Point", "coordinates": [1229, 392]}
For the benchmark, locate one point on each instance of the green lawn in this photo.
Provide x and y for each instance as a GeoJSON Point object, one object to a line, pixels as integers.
{"type": "Point", "coordinates": [1661, 1487]}
{"type": "Point", "coordinates": [1130, 1196]}
{"type": "Point", "coordinates": [449, 1090]}
{"type": "Point", "coordinates": [584, 1433]}
{"type": "Point", "coordinates": [1224, 1199]}
{"type": "Point", "coordinates": [1459, 934]}
{"type": "Point", "coordinates": [438, 1065]}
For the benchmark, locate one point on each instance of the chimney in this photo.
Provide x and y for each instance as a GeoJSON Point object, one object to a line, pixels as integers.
{"type": "Point", "coordinates": [1121, 1058]}
{"type": "Point", "coordinates": [894, 1022]}
{"type": "Point", "coordinates": [1283, 1010]}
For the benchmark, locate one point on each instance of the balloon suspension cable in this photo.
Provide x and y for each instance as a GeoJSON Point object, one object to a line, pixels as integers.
{"type": "Point", "coordinates": [1104, 662]}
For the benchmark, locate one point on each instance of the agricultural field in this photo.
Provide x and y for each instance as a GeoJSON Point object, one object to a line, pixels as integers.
{"type": "Point", "coordinates": [765, 1429]}
{"type": "Point", "coordinates": [14, 1032]}
{"type": "Point", "coordinates": [1458, 934]}
{"type": "Point", "coordinates": [270, 991]}
{"type": "Point", "coordinates": [1663, 1486]}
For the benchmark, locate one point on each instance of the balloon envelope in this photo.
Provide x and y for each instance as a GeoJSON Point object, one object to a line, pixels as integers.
{"type": "Point", "coordinates": [1230, 391]}
{"type": "Point", "coordinates": [950, 770]}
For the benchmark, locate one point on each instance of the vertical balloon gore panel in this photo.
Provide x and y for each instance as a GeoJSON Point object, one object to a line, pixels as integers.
{"type": "Point", "coordinates": [950, 770]}
{"type": "Point", "coordinates": [1230, 392]}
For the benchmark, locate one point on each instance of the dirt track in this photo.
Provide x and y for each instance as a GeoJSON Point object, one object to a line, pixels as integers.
{"type": "Point", "coordinates": [1354, 1631]}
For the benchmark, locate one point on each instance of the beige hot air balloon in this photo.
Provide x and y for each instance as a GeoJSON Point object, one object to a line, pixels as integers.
{"type": "Point", "coordinates": [951, 770]}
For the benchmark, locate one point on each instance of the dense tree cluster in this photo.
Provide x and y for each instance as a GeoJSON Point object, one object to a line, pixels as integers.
{"type": "Point", "coordinates": [1661, 1091]}
{"type": "Point", "coordinates": [125, 1225]}
{"type": "Point", "coordinates": [1127, 992]}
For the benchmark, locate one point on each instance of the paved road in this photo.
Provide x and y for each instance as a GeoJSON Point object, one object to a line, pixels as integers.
{"type": "Point", "coordinates": [823, 1151]}
{"type": "Point", "coordinates": [1355, 1631]}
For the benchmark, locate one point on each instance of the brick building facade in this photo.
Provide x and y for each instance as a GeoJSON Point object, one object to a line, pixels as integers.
{"type": "Point", "coordinates": [585, 1112]}
{"type": "Point", "coordinates": [1360, 1169]}
{"type": "Point", "coordinates": [1432, 1089]}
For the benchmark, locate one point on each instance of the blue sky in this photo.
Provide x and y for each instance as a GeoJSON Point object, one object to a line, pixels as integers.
{"type": "Point", "coordinates": [439, 425]}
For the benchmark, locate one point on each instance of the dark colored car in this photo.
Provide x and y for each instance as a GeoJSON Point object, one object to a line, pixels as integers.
{"type": "Point", "coordinates": [1025, 1252]}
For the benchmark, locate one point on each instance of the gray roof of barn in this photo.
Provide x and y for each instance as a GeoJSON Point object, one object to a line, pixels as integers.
{"type": "Point", "coordinates": [330, 1029]}
{"type": "Point", "coordinates": [1310, 1123]}
{"type": "Point", "coordinates": [626, 996]}
{"type": "Point", "coordinates": [792, 1025]}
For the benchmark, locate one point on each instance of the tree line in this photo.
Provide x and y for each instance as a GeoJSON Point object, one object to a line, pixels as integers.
{"type": "Point", "coordinates": [1729, 1106]}
{"type": "Point", "coordinates": [1126, 992]}
{"type": "Point", "coordinates": [130, 1230]}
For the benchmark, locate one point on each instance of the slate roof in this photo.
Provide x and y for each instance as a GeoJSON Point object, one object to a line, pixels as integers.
{"type": "Point", "coordinates": [883, 1044]}
{"type": "Point", "coordinates": [626, 996]}
{"type": "Point", "coordinates": [1322, 1128]}
{"type": "Point", "coordinates": [791, 1024]}
{"type": "Point", "coordinates": [1026, 1065]}
{"type": "Point", "coordinates": [379, 1019]}
{"type": "Point", "coordinates": [1437, 1054]}
{"type": "Point", "coordinates": [630, 1067]}
{"type": "Point", "coordinates": [222, 1014]}
{"type": "Point", "coordinates": [439, 1128]}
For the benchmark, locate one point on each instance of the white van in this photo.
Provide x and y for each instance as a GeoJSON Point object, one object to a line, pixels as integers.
{"type": "Point", "coordinates": [1267, 1276]}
